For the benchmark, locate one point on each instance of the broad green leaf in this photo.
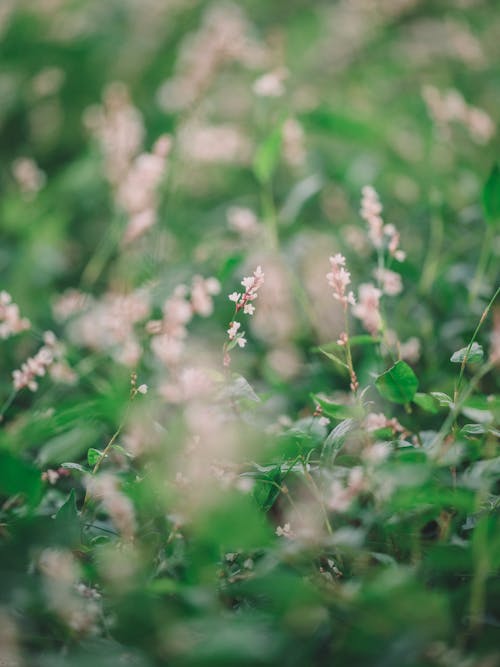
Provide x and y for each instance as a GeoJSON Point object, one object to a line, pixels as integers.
{"type": "Point", "coordinates": [427, 402]}
{"type": "Point", "coordinates": [399, 384]}
{"type": "Point", "coordinates": [267, 156]}
{"type": "Point", "coordinates": [472, 356]}
{"type": "Point", "coordinates": [491, 196]}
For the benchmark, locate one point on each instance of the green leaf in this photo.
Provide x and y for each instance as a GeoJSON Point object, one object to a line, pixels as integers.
{"type": "Point", "coordinates": [93, 455]}
{"type": "Point", "coordinates": [443, 399]}
{"type": "Point", "coordinates": [472, 355]}
{"type": "Point", "coordinates": [73, 466]}
{"type": "Point", "coordinates": [336, 410]}
{"type": "Point", "coordinates": [399, 384]}
{"type": "Point", "coordinates": [267, 156]}
{"type": "Point", "coordinates": [18, 476]}
{"type": "Point", "coordinates": [335, 441]}
{"type": "Point", "coordinates": [427, 402]}
{"type": "Point", "coordinates": [68, 520]}
{"type": "Point", "coordinates": [333, 357]}
{"type": "Point", "coordinates": [491, 196]}
{"type": "Point", "coordinates": [473, 429]}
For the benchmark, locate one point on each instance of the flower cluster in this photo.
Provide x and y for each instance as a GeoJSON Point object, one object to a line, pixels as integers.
{"type": "Point", "coordinates": [170, 332]}
{"type": "Point", "coordinates": [379, 233]}
{"type": "Point", "coordinates": [367, 310]}
{"type": "Point", "coordinates": [242, 301]}
{"type": "Point", "coordinates": [223, 37]}
{"type": "Point", "coordinates": [339, 278]}
{"type": "Point", "coordinates": [133, 175]}
{"type": "Point", "coordinates": [36, 366]}
{"type": "Point", "coordinates": [29, 177]}
{"type": "Point", "coordinates": [105, 488]}
{"type": "Point", "coordinates": [449, 106]}
{"type": "Point", "coordinates": [11, 321]}
{"type": "Point", "coordinates": [109, 324]}
{"type": "Point", "coordinates": [137, 192]}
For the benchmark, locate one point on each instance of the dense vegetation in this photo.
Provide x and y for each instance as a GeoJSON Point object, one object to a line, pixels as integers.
{"type": "Point", "coordinates": [249, 263]}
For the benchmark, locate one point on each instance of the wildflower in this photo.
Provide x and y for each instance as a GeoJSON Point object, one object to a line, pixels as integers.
{"type": "Point", "coordinates": [36, 366]}
{"type": "Point", "coordinates": [202, 291]}
{"type": "Point", "coordinates": [339, 278]}
{"type": "Point", "coordinates": [29, 177]}
{"type": "Point", "coordinates": [11, 321]}
{"type": "Point", "coordinates": [341, 497]}
{"type": "Point", "coordinates": [142, 389]}
{"type": "Point", "coordinates": [271, 84]}
{"type": "Point", "coordinates": [389, 281]}
{"type": "Point", "coordinates": [376, 421]}
{"type": "Point", "coordinates": [251, 284]}
{"type": "Point", "coordinates": [233, 329]}
{"type": "Point", "coordinates": [285, 531]}
{"type": "Point", "coordinates": [242, 220]}
{"type": "Point", "coordinates": [367, 310]}
{"type": "Point", "coordinates": [379, 234]}
{"type": "Point", "coordinates": [371, 210]}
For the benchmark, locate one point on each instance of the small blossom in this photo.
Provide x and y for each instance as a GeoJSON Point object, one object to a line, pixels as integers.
{"type": "Point", "coordinates": [389, 281]}
{"type": "Point", "coordinates": [248, 309]}
{"type": "Point", "coordinates": [235, 296]}
{"type": "Point", "coordinates": [11, 321]}
{"type": "Point", "coordinates": [323, 421]}
{"type": "Point", "coordinates": [142, 389]}
{"type": "Point", "coordinates": [367, 310]}
{"type": "Point", "coordinates": [233, 329]}
{"type": "Point", "coordinates": [271, 84]}
{"type": "Point", "coordinates": [241, 341]}
{"type": "Point", "coordinates": [285, 531]}
{"type": "Point", "coordinates": [339, 278]}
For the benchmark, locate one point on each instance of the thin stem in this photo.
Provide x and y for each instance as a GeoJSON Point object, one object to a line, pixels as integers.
{"type": "Point", "coordinates": [484, 256]}
{"type": "Point", "coordinates": [7, 404]}
{"type": "Point", "coordinates": [469, 347]}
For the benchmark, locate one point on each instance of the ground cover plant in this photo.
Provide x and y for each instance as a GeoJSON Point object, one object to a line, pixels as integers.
{"type": "Point", "coordinates": [249, 333]}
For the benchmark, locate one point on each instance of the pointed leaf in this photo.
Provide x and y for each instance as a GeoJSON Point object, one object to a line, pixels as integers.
{"type": "Point", "coordinates": [399, 384]}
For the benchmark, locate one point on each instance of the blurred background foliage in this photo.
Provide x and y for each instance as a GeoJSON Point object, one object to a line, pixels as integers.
{"type": "Point", "coordinates": [403, 94]}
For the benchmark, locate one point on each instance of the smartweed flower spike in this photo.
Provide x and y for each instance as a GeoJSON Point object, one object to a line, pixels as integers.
{"type": "Point", "coordinates": [339, 278]}
{"type": "Point", "coordinates": [371, 212]}
{"type": "Point", "coordinates": [243, 302]}
{"type": "Point", "coordinates": [11, 321]}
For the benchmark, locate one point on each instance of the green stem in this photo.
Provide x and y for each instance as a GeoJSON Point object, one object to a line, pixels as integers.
{"type": "Point", "coordinates": [469, 347]}
{"type": "Point", "coordinates": [484, 256]}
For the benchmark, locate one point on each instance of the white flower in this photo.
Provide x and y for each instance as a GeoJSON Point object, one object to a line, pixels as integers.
{"type": "Point", "coordinates": [233, 330]}
{"type": "Point", "coordinates": [142, 389]}
{"type": "Point", "coordinates": [241, 341]}
{"type": "Point", "coordinates": [249, 309]}
{"type": "Point", "coordinates": [235, 296]}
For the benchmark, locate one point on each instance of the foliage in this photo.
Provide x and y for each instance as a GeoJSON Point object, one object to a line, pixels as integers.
{"type": "Point", "coordinates": [299, 474]}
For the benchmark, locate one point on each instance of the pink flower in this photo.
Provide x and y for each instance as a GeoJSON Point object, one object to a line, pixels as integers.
{"type": "Point", "coordinates": [339, 278]}
{"type": "Point", "coordinates": [233, 330]}
{"type": "Point", "coordinates": [367, 310]}
{"type": "Point", "coordinates": [390, 281]}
